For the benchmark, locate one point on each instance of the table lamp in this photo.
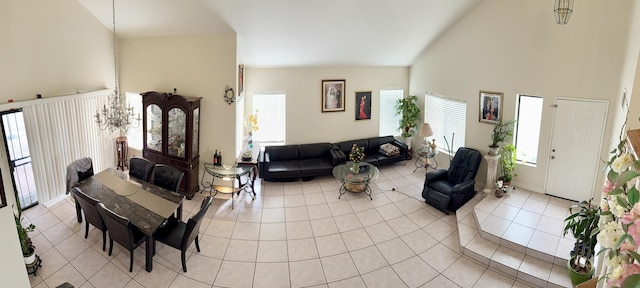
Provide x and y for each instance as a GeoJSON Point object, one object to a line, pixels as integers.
{"type": "Point", "coordinates": [425, 131]}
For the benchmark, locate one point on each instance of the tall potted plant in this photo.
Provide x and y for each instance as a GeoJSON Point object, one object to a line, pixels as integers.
{"type": "Point", "coordinates": [409, 113]}
{"type": "Point", "coordinates": [508, 163]}
{"type": "Point", "coordinates": [28, 250]}
{"type": "Point", "coordinates": [583, 225]}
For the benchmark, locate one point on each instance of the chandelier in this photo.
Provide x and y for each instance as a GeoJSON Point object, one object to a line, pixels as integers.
{"type": "Point", "coordinates": [563, 10]}
{"type": "Point", "coordinates": [117, 114]}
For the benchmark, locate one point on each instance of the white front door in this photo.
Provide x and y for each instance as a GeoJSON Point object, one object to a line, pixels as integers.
{"type": "Point", "coordinates": [578, 129]}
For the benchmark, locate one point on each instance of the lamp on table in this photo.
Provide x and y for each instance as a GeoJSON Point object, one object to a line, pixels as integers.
{"type": "Point", "coordinates": [425, 131]}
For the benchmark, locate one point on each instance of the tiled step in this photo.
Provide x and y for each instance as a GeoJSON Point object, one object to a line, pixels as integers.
{"type": "Point", "coordinates": [519, 236]}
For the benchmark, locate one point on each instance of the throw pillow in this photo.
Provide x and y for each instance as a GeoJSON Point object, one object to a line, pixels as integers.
{"type": "Point", "coordinates": [389, 150]}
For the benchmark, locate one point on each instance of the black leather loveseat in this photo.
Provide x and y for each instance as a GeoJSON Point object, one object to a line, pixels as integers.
{"type": "Point", "coordinates": [290, 162]}
{"type": "Point", "coordinates": [372, 151]}
{"type": "Point", "coordinates": [296, 161]}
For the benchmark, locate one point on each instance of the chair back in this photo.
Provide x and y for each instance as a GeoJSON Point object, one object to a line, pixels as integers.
{"type": "Point", "coordinates": [140, 168]}
{"type": "Point", "coordinates": [464, 165]}
{"type": "Point", "coordinates": [77, 171]}
{"type": "Point", "coordinates": [120, 228]}
{"type": "Point", "coordinates": [88, 205]}
{"type": "Point", "coordinates": [167, 177]}
{"type": "Point", "coordinates": [193, 225]}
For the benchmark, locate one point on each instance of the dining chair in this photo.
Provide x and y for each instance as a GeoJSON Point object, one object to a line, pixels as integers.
{"type": "Point", "coordinates": [122, 231]}
{"type": "Point", "coordinates": [91, 215]}
{"type": "Point", "coordinates": [167, 177]}
{"type": "Point", "coordinates": [77, 171]}
{"type": "Point", "coordinates": [140, 168]}
{"type": "Point", "coordinates": [180, 235]}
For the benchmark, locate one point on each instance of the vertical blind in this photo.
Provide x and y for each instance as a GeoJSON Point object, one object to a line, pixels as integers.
{"type": "Point", "coordinates": [447, 118]}
{"type": "Point", "coordinates": [271, 118]}
{"type": "Point", "coordinates": [389, 120]}
{"type": "Point", "coordinates": [61, 130]}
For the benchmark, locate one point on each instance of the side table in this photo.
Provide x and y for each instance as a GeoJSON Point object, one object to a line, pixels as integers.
{"type": "Point", "coordinates": [428, 155]}
{"type": "Point", "coordinates": [121, 152]}
{"type": "Point", "coordinates": [33, 267]}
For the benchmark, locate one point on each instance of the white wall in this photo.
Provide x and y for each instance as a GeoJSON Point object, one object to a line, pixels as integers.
{"type": "Point", "coordinates": [199, 66]}
{"type": "Point", "coordinates": [305, 121]}
{"type": "Point", "coordinates": [515, 47]}
{"type": "Point", "coordinates": [50, 48]}
{"type": "Point", "coordinates": [12, 270]}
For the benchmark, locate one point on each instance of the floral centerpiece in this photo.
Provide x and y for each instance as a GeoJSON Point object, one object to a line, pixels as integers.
{"type": "Point", "coordinates": [251, 125]}
{"type": "Point", "coordinates": [620, 219]}
{"type": "Point", "coordinates": [356, 156]}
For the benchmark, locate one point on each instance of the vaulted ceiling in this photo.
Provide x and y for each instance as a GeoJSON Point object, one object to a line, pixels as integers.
{"type": "Point", "coordinates": [295, 32]}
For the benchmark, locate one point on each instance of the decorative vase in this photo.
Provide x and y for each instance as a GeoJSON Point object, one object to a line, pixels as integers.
{"type": "Point", "coordinates": [356, 167]}
{"type": "Point", "coordinates": [493, 150]}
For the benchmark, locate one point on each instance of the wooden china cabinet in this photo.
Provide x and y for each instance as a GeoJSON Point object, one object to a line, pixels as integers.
{"type": "Point", "coordinates": [171, 124]}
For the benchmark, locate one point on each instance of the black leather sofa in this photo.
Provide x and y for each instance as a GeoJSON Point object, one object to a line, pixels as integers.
{"type": "Point", "coordinates": [291, 162]}
{"type": "Point", "coordinates": [372, 153]}
{"type": "Point", "coordinates": [295, 161]}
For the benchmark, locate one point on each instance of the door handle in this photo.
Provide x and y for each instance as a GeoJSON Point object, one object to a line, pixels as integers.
{"type": "Point", "coordinates": [553, 157]}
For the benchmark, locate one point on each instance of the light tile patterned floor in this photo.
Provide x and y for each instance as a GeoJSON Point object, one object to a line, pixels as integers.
{"type": "Point", "coordinates": [296, 234]}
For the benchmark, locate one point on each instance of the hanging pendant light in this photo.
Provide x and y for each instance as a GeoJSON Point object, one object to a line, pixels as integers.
{"type": "Point", "coordinates": [116, 115]}
{"type": "Point", "coordinates": [563, 10]}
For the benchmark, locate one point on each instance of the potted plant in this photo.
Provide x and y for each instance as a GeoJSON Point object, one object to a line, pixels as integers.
{"type": "Point", "coordinates": [583, 225]}
{"type": "Point", "coordinates": [28, 250]}
{"type": "Point", "coordinates": [508, 163]}
{"type": "Point", "coordinates": [409, 113]}
{"type": "Point", "coordinates": [501, 131]}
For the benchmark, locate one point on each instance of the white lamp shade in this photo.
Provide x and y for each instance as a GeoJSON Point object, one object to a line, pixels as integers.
{"type": "Point", "coordinates": [425, 130]}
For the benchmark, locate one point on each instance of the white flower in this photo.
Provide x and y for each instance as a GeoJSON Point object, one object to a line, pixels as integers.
{"type": "Point", "coordinates": [610, 234]}
{"type": "Point", "coordinates": [616, 209]}
{"type": "Point", "coordinates": [622, 163]}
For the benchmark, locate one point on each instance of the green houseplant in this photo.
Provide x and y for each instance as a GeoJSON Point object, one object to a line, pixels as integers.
{"type": "Point", "coordinates": [28, 250]}
{"type": "Point", "coordinates": [582, 223]}
{"type": "Point", "coordinates": [508, 163]}
{"type": "Point", "coordinates": [501, 131]}
{"type": "Point", "coordinates": [409, 113]}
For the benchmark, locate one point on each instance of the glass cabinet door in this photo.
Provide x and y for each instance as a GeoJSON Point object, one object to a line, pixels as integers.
{"type": "Point", "coordinates": [177, 126]}
{"type": "Point", "coordinates": [154, 127]}
{"type": "Point", "coordinates": [196, 131]}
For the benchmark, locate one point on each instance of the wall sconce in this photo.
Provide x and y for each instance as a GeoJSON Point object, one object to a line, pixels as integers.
{"type": "Point", "coordinates": [563, 10]}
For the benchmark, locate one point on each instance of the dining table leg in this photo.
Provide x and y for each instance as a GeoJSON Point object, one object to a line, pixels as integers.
{"type": "Point", "coordinates": [149, 253]}
{"type": "Point", "coordinates": [179, 212]}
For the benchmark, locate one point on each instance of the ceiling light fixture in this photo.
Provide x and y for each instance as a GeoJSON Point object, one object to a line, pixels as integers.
{"type": "Point", "coordinates": [563, 10]}
{"type": "Point", "coordinates": [116, 115]}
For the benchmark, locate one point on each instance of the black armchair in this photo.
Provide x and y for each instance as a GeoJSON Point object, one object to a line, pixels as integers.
{"type": "Point", "coordinates": [450, 189]}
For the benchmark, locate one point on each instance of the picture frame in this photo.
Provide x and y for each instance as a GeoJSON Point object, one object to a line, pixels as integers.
{"type": "Point", "coordinates": [240, 79]}
{"type": "Point", "coordinates": [363, 105]}
{"type": "Point", "coordinates": [490, 107]}
{"type": "Point", "coordinates": [333, 95]}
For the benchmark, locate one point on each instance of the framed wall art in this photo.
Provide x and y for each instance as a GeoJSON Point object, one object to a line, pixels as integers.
{"type": "Point", "coordinates": [333, 95]}
{"type": "Point", "coordinates": [363, 105]}
{"type": "Point", "coordinates": [240, 80]}
{"type": "Point", "coordinates": [490, 107]}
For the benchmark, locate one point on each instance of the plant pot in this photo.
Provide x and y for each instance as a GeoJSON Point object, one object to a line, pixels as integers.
{"type": "Point", "coordinates": [31, 257]}
{"type": "Point", "coordinates": [493, 150]}
{"type": "Point", "coordinates": [576, 277]}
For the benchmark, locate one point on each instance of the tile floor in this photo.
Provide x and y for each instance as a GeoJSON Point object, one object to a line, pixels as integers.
{"type": "Point", "coordinates": [296, 234]}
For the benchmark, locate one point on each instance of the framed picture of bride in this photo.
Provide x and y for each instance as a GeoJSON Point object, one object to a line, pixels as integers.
{"type": "Point", "coordinates": [333, 95]}
{"type": "Point", "coordinates": [363, 105]}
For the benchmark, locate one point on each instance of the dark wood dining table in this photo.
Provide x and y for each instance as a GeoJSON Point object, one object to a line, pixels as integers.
{"type": "Point", "coordinates": [146, 205]}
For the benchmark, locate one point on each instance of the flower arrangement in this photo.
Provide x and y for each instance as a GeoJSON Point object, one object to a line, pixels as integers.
{"type": "Point", "coordinates": [357, 153]}
{"type": "Point", "coordinates": [251, 123]}
{"type": "Point", "coordinates": [620, 219]}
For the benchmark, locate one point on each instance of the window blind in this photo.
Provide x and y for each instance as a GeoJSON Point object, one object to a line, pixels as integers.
{"type": "Point", "coordinates": [389, 120]}
{"type": "Point", "coordinates": [271, 118]}
{"type": "Point", "coordinates": [447, 118]}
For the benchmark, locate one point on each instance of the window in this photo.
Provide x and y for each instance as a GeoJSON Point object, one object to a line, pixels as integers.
{"type": "Point", "coordinates": [271, 118]}
{"type": "Point", "coordinates": [447, 118]}
{"type": "Point", "coordinates": [528, 121]}
{"type": "Point", "coordinates": [388, 118]}
{"type": "Point", "coordinates": [134, 135]}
